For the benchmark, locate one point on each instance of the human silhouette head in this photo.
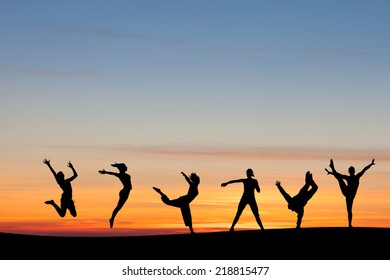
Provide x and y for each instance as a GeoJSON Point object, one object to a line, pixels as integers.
{"type": "Point", "coordinates": [351, 170]}
{"type": "Point", "coordinates": [121, 166]}
{"type": "Point", "coordinates": [249, 173]}
{"type": "Point", "coordinates": [195, 178]}
{"type": "Point", "coordinates": [60, 176]}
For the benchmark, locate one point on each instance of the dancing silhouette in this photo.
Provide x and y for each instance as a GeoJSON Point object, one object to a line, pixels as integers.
{"type": "Point", "coordinates": [349, 184]}
{"type": "Point", "coordinates": [183, 202]}
{"type": "Point", "coordinates": [67, 202]}
{"type": "Point", "coordinates": [124, 192]}
{"type": "Point", "coordinates": [248, 197]}
{"type": "Point", "coordinates": [298, 202]}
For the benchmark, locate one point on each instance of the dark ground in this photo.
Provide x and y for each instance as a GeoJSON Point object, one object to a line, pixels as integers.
{"type": "Point", "coordinates": [272, 244]}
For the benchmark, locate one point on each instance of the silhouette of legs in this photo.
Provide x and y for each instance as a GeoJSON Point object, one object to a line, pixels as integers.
{"type": "Point", "coordinates": [255, 211]}
{"type": "Point", "coordinates": [298, 202]}
{"type": "Point", "coordinates": [349, 203]}
{"type": "Point", "coordinates": [345, 190]}
{"type": "Point", "coordinates": [60, 210]}
{"type": "Point", "coordinates": [165, 198]}
{"type": "Point", "coordinates": [123, 196]}
{"type": "Point", "coordinates": [182, 203]}
{"type": "Point", "coordinates": [241, 206]}
{"type": "Point", "coordinates": [187, 217]}
{"type": "Point", "coordinates": [339, 178]}
{"type": "Point", "coordinates": [71, 208]}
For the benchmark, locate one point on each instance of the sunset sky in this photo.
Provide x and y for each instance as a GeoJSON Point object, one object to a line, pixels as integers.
{"type": "Point", "coordinates": [211, 87]}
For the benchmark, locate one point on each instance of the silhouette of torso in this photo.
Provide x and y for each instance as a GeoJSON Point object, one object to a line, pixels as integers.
{"type": "Point", "coordinates": [126, 181]}
{"type": "Point", "coordinates": [250, 185]}
{"type": "Point", "coordinates": [192, 192]}
{"type": "Point", "coordinates": [352, 185]}
{"type": "Point", "coordinates": [66, 188]}
{"type": "Point", "coordinates": [297, 202]}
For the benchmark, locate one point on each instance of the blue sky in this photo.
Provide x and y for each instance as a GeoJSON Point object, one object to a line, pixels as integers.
{"type": "Point", "coordinates": [249, 73]}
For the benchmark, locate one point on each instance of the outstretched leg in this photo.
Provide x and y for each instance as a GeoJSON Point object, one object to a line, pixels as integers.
{"type": "Point", "coordinates": [305, 194]}
{"type": "Point", "coordinates": [240, 208]}
{"type": "Point", "coordinates": [339, 178]}
{"type": "Point", "coordinates": [60, 211]}
{"type": "Point", "coordinates": [166, 199]}
{"type": "Point", "coordinates": [236, 218]}
{"type": "Point", "coordinates": [255, 211]}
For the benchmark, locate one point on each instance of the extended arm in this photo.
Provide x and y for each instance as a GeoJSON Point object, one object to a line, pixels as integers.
{"type": "Point", "coordinates": [366, 168]}
{"type": "Point", "coordinates": [257, 187]}
{"type": "Point", "coordinates": [186, 177]}
{"type": "Point", "coordinates": [231, 182]}
{"type": "Point", "coordinates": [47, 162]}
{"type": "Point", "coordinates": [70, 165]}
{"type": "Point", "coordinates": [107, 172]}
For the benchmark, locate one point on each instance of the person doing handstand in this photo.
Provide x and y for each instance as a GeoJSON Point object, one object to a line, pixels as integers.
{"type": "Point", "coordinates": [298, 202]}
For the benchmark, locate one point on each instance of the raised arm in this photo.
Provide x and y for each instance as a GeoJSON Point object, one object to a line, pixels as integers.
{"type": "Point", "coordinates": [366, 168]}
{"type": "Point", "coordinates": [47, 162]}
{"type": "Point", "coordinates": [231, 182]}
{"type": "Point", "coordinates": [70, 165]}
{"type": "Point", "coordinates": [186, 177]}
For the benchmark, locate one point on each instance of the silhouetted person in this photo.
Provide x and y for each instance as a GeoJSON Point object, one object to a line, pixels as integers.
{"type": "Point", "coordinates": [183, 202]}
{"type": "Point", "coordinates": [298, 202]}
{"type": "Point", "coordinates": [248, 197]}
{"type": "Point", "coordinates": [124, 192]}
{"type": "Point", "coordinates": [349, 184]}
{"type": "Point", "coordinates": [67, 202]}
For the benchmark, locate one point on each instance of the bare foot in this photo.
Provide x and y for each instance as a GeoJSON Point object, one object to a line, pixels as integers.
{"type": "Point", "coordinates": [111, 222]}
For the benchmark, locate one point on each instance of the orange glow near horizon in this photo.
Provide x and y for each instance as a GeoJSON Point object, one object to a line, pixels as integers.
{"type": "Point", "coordinates": [23, 210]}
{"type": "Point", "coordinates": [25, 188]}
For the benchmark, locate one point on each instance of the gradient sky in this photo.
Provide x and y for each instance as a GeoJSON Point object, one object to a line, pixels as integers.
{"type": "Point", "coordinates": [212, 87]}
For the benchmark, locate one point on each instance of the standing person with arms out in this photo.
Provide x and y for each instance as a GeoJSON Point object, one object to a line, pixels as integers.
{"type": "Point", "coordinates": [248, 197]}
{"type": "Point", "coordinates": [183, 202]}
{"type": "Point", "coordinates": [67, 202]}
{"type": "Point", "coordinates": [124, 192]}
{"type": "Point", "coordinates": [349, 184]}
{"type": "Point", "coordinates": [298, 202]}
